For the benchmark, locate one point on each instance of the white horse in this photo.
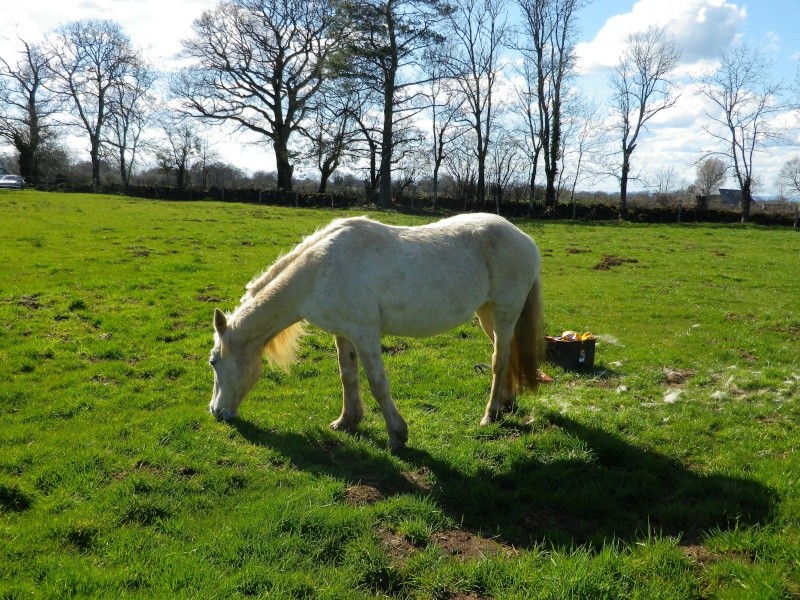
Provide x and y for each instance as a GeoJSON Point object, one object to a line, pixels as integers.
{"type": "Point", "coordinates": [358, 279]}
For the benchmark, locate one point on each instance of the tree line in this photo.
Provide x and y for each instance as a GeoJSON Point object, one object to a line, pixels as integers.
{"type": "Point", "coordinates": [391, 89]}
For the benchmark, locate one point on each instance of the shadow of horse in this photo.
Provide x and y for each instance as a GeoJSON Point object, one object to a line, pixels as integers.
{"type": "Point", "coordinates": [625, 493]}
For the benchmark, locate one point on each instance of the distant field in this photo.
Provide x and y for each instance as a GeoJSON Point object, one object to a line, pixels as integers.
{"type": "Point", "coordinates": [671, 471]}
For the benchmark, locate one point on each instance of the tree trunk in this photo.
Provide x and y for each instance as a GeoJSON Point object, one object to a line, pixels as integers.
{"type": "Point", "coordinates": [325, 172]}
{"type": "Point", "coordinates": [435, 187]}
{"type": "Point", "coordinates": [95, 155]}
{"type": "Point", "coordinates": [532, 190]}
{"type": "Point", "coordinates": [623, 184]}
{"type": "Point", "coordinates": [551, 197]}
{"type": "Point", "coordinates": [123, 172]}
{"type": "Point", "coordinates": [387, 147]}
{"type": "Point", "coordinates": [746, 201]}
{"type": "Point", "coordinates": [27, 162]}
{"type": "Point", "coordinates": [284, 167]}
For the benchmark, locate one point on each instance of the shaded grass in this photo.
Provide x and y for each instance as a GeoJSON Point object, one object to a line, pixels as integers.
{"type": "Point", "coordinates": [114, 479]}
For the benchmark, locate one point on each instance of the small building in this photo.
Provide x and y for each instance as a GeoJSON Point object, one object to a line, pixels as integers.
{"type": "Point", "coordinates": [730, 198]}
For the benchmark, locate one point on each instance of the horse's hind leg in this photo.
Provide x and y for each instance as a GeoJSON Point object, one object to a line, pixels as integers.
{"type": "Point", "coordinates": [352, 407]}
{"type": "Point", "coordinates": [501, 396]}
{"type": "Point", "coordinates": [370, 353]}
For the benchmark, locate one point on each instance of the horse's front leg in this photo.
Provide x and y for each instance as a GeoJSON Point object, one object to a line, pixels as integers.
{"type": "Point", "coordinates": [352, 406]}
{"type": "Point", "coordinates": [370, 353]}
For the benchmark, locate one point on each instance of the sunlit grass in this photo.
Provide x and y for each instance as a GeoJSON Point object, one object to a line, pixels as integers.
{"type": "Point", "coordinates": [670, 471]}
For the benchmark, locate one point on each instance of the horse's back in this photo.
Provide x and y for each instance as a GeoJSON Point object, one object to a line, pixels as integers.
{"type": "Point", "coordinates": [420, 280]}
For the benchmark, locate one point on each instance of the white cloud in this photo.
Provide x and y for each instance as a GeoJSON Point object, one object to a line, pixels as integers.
{"type": "Point", "coordinates": [702, 28]}
{"type": "Point", "coordinates": [154, 25]}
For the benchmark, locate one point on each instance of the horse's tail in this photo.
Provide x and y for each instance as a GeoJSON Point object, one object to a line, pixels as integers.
{"type": "Point", "coordinates": [527, 345]}
{"type": "Point", "coordinates": [281, 349]}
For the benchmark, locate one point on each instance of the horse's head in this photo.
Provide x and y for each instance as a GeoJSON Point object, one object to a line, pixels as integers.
{"type": "Point", "coordinates": [236, 369]}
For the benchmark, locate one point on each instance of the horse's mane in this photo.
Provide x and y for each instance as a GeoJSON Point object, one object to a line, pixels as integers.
{"type": "Point", "coordinates": [281, 349]}
{"type": "Point", "coordinates": [259, 282]}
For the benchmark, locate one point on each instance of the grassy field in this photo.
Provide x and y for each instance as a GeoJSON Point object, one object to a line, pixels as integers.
{"type": "Point", "coordinates": [671, 471]}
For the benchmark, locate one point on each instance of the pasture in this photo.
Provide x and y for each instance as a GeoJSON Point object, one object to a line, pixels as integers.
{"type": "Point", "coordinates": [670, 471]}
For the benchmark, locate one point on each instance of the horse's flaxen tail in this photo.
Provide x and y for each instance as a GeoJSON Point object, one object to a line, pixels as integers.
{"type": "Point", "coordinates": [527, 345]}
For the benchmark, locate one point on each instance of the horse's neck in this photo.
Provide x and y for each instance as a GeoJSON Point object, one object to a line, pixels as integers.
{"type": "Point", "coordinates": [274, 308]}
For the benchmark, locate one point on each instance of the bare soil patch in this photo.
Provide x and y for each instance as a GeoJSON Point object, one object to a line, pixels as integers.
{"type": "Point", "coordinates": [608, 262]}
{"type": "Point", "coordinates": [466, 545]}
{"type": "Point", "coordinates": [463, 545]}
{"type": "Point", "coordinates": [29, 302]}
{"type": "Point", "coordinates": [370, 490]}
{"type": "Point", "coordinates": [678, 376]}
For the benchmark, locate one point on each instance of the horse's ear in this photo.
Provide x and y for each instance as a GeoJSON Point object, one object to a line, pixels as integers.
{"type": "Point", "coordinates": [220, 321]}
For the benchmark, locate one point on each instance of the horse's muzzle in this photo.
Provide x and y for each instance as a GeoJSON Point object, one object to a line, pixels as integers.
{"type": "Point", "coordinates": [223, 414]}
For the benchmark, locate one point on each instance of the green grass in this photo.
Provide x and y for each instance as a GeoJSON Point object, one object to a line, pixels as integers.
{"type": "Point", "coordinates": [115, 480]}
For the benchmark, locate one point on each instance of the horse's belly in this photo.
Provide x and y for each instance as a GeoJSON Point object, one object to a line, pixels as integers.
{"type": "Point", "coordinates": [420, 325]}
{"type": "Point", "coordinates": [423, 315]}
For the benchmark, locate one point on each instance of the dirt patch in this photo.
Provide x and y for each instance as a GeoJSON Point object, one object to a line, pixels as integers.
{"type": "Point", "coordinates": [467, 546]}
{"type": "Point", "coordinates": [369, 491]}
{"type": "Point", "coordinates": [397, 547]}
{"type": "Point", "coordinates": [794, 331]}
{"type": "Point", "coordinates": [394, 349]}
{"type": "Point", "coordinates": [29, 302]}
{"type": "Point", "coordinates": [362, 495]}
{"type": "Point", "coordinates": [738, 317]}
{"type": "Point", "coordinates": [747, 356]}
{"type": "Point", "coordinates": [699, 554]}
{"type": "Point", "coordinates": [608, 262]}
{"type": "Point", "coordinates": [460, 544]}
{"type": "Point", "coordinates": [678, 376]}
{"type": "Point", "coordinates": [578, 251]}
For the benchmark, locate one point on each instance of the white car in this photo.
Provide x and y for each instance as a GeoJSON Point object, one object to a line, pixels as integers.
{"type": "Point", "coordinates": [12, 181]}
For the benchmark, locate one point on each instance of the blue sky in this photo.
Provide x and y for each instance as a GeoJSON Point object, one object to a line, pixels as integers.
{"type": "Point", "coordinates": [703, 28]}
{"type": "Point", "coordinates": [772, 25]}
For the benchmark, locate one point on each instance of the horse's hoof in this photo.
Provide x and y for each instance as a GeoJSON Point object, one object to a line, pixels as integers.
{"type": "Point", "coordinates": [488, 419]}
{"type": "Point", "coordinates": [345, 425]}
{"type": "Point", "coordinates": [395, 447]}
{"type": "Point", "coordinates": [397, 441]}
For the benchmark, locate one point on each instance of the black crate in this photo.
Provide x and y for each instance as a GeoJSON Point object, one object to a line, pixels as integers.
{"type": "Point", "coordinates": [571, 355]}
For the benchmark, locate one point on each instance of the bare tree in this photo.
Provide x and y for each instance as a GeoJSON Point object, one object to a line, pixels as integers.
{"type": "Point", "coordinates": [182, 145]}
{"type": "Point", "coordinates": [332, 130]}
{"type": "Point", "coordinates": [477, 31]}
{"type": "Point", "coordinates": [386, 48]}
{"type": "Point", "coordinates": [789, 177]}
{"type": "Point", "coordinates": [641, 88]}
{"type": "Point", "coordinates": [583, 140]}
{"type": "Point", "coordinates": [131, 108]}
{"type": "Point", "coordinates": [257, 65]}
{"type": "Point", "coordinates": [91, 58]}
{"type": "Point", "coordinates": [789, 183]}
{"type": "Point", "coordinates": [744, 97]}
{"type": "Point", "coordinates": [527, 108]}
{"type": "Point", "coordinates": [665, 180]}
{"type": "Point", "coordinates": [444, 109]}
{"type": "Point", "coordinates": [550, 31]}
{"type": "Point", "coordinates": [461, 165]}
{"type": "Point", "coordinates": [504, 165]}
{"type": "Point", "coordinates": [27, 107]}
{"type": "Point", "coordinates": [710, 175]}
